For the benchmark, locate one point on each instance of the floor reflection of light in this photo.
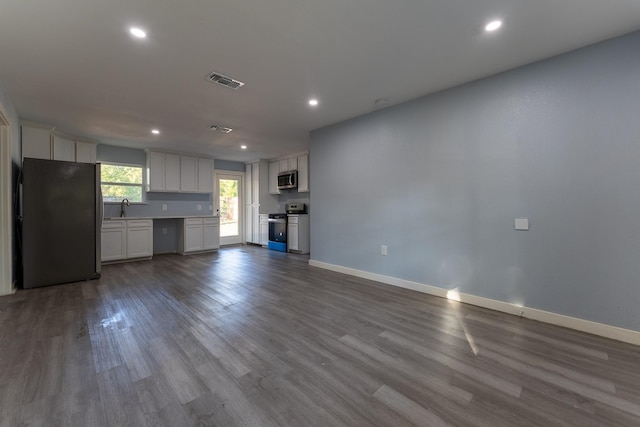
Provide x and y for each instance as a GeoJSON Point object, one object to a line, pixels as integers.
{"type": "Point", "coordinates": [454, 295]}
{"type": "Point", "coordinates": [110, 321]}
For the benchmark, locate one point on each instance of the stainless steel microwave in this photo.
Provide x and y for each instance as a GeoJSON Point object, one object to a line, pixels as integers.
{"type": "Point", "coordinates": [287, 180]}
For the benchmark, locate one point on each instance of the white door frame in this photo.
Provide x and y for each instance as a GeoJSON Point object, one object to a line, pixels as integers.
{"type": "Point", "coordinates": [240, 177]}
{"type": "Point", "coordinates": [6, 184]}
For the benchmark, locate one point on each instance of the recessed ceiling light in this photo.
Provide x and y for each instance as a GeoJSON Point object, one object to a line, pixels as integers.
{"type": "Point", "coordinates": [155, 131]}
{"type": "Point", "coordinates": [137, 32]}
{"type": "Point", "coordinates": [493, 26]}
{"type": "Point", "coordinates": [313, 102]}
{"type": "Point", "coordinates": [244, 147]}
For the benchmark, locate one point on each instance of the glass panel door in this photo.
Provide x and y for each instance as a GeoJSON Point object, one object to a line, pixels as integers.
{"type": "Point", "coordinates": [229, 188]}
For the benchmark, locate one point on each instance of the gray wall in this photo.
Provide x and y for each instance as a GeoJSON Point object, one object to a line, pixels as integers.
{"type": "Point", "coordinates": [228, 165]}
{"type": "Point", "coordinates": [440, 181]}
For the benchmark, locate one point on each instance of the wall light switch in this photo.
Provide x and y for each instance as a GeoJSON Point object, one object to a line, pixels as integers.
{"type": "Point", "coordinates": [522, 223]}
{"type": "Point", "coordinates": [164, 207]}
{"type": "Point", "coordinates": [383, 250]}
{"type": "Point", "coordinates": [164, 231]}
{"type": "Point", "coordinates": [210, 207]}
{"type": "Point", "coordinates": [199, 207]}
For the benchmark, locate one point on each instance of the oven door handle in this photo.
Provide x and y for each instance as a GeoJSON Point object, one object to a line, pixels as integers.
{"type": "Point", "coordinates": [277, 220]}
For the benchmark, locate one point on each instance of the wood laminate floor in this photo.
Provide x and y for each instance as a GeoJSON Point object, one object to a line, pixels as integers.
{"type": "Point", "coordinates": [254, 337]}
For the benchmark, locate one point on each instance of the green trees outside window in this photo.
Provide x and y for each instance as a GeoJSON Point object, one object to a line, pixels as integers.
{"type": "Point", "coordinates": [121, 182]}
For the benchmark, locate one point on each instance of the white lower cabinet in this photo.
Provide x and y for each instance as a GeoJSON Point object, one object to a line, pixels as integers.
{"type": "Point", "coordinates": [264, 229]}
{"type": "Point", "coordinates": [210, 233]}
{"type": "Point", "coordinates": [126, 239]}
{"type": "Point", "coordinates": [139, 238]}
{"type": "Point", "coordinates": [192, 236]}
{"type": "Point", "coordinates": [298, 234]}
{"type": "Point", "coordinates": [198, 234]}
{"type": "Point", "coordinates": [113, 241]}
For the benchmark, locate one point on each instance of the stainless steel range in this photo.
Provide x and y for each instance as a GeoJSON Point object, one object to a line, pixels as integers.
{"type": "Point", "coordinates": [278, 232]}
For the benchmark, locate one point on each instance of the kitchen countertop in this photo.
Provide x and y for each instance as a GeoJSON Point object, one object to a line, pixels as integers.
{"type": "Point", "coordinates": [117, 218]}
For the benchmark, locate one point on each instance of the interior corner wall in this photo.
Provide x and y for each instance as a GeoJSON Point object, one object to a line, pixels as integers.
{"type": "Point", "coordinates": [440, 180]}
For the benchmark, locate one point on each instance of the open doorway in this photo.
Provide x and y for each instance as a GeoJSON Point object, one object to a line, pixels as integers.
{"type": "Point", "coordinates": [6, 238]}
{"type": "Point", "coordinates": [229, 194]}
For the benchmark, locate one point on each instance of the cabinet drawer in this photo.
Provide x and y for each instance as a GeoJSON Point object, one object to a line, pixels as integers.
{"type": "Point", "coordinates": [139, 223]}
{"type": "Point", "coordinates": [209, 221]}
{"type": "Point", "coordinates": [113, 224]}
{"type": "Point", "coordinates": [293, 219]}
{"type": "Point", "coordinates": [193, 221]}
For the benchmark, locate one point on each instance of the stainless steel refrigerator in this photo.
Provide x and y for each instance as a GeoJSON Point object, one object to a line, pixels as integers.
{"type": "Point", "coordinates": [61, 222]}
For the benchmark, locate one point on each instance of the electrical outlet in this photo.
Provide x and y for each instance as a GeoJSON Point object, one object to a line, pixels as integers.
{"type": "Point", "coordinates": [383, 249]}
{"type": "Point", "coordinates": [199, 207]}
{"type": "Point", "coordinates": [164, 231]}
{"type": "Point", "coordinates": [164, 207]}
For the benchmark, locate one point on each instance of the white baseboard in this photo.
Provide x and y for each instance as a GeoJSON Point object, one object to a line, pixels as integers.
{"type": "Point", "coordinates": [600, 329]}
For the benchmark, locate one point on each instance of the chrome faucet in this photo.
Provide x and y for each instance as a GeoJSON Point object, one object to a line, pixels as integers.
{"type": "Point", "coordinates": [122, 207]}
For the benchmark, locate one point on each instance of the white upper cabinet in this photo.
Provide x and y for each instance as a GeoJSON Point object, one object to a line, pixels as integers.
{"type": "Point", "coordinates": [248, 184]}
{"type": "Point", "coordinates": [163, 171]}
{"type": "Point", "coordinates": [36, 143]}
{"type": "Point", "coordinates": [299, 163]}
{"type": "Point", "coordinates": [205, 175]}
{"type": "Point", "coordinates": [289, 164]}
{"type": "Point", "coordinates": [155, 171]}
{"type": "Point", "coordinates": [40, 143]}
{"type": "Point", "coordinates": [255, 182]}
{"type": "Point", "coordinates": [303, 173]}
{"type": "Point", "coordinates": [292, 163]}
{"type": "Point", "coordinates": [189, 174]}
{"type": "Point", "coordinates": [172, 172]}
{"type": "Point", "coordinates": [64, 149]}
{"type": "Point", "coordinates": [85, 152]}
{"type": "Point", "coordinates": [177, 173]}
{"type": "Point", "coordinates": [274, 169]}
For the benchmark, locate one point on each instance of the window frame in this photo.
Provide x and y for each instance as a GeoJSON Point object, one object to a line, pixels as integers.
{"type": "Point", "coordinates": [142, 185]}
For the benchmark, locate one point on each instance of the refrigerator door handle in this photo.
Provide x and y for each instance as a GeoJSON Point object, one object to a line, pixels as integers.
{"type": "Point", "coordinates": [99, 220]}
{"type": "Point", "coordinates": [101, 207]}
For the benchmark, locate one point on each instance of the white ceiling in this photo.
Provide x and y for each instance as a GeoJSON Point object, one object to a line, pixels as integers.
{"type": "Point", "coordinates": [72, 64]}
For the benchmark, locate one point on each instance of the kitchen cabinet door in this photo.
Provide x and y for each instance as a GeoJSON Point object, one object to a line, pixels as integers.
{"type": "Point", "coordinates": [255, 183]}
{"type": "Point", "coordinates": [248, 193]}
{"type": "Point", "coordinates": [292, 163]}
{"type": "Point", "coordinates": [36, 143]}
{"type": "Point", "coordinates": [248, 224]}
{"type": "Point", "coordinates": [205, 175]}
{"type": "Point", "coordinates": [155, 171]}
{"type": "Point", "coordinates": [303, 173]}
{"type": "Point", "coordinates": [85, 152]}
{"type": "Point", "coordinates": [113, 241]}
{"type": "Point", "coordinates": [211, 236]}
{"type": "Point", "coordinates": [189, 174]}
{"type": "Point", "coordinates": [274, 169]}
{"type": "Point", "coordinates": [139, 238]}
{"type": "Point", "coordinates": [193, 238]}
{"type": "Point", "coordinates": [292, 237]}
{"type": "Point", "coordinates": [64, 149]}
{"type": "Point", "coordinates": [255, 224]}
{"type": "Point", "coordinates": [171, 172]}
{"type": "Point", "coordinates": [264, 229]}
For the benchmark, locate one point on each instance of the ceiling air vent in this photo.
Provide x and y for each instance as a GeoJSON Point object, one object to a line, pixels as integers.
{"type": "Point", "coordinates": [220, 128]}
{"type": "Point", "coordinates": [223, 80]}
